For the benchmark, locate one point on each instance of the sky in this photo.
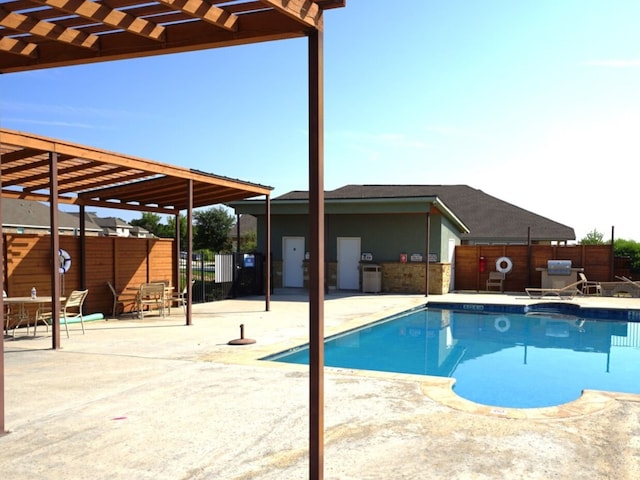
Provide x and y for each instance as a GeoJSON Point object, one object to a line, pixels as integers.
{"type": "Point", "coordinates": [536, 102]}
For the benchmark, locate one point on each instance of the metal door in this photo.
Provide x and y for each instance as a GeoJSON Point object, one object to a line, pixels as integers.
{"type": "Point", "coordinates": [293, 258]}
{"type": "Point", "coordinates": [348, 263]}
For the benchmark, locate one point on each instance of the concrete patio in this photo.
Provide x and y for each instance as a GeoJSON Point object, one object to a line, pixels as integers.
{"type": "Point", "coordinates": [154, 399]}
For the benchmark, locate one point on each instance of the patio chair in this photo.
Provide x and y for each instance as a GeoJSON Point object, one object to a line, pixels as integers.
{"type": "Point", "coordinates": [152, 295]}
{"type": "Point", "coordinates": [180, 298]}
{"type": "Point", "coordinates": [121, 299]}
{"type": "Point", "coordinates": [590, 287]}
{"type": "Point", "coordinates": [168, 292]}
{"type": "Point", "coordinates": [568, 291]}
{"type": "Point", "coordinates": [71, 310]}
{"type": "Point", "coordinates": [7, 316]}
{"type": "Point", "coordinates": [495, 280]}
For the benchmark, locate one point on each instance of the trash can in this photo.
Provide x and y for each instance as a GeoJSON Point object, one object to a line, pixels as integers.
{"type": "Point", "coordinates": [371, 278]}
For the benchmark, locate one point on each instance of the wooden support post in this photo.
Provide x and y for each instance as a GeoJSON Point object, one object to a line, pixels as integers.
{"type": "Point", "coordinates": [316, 262]}
{"type": "Point", "coordinates": [189, 276]}
{"type": "Point", "coordinates": [55, 249]}
{"type": "Point", "coordinates": [267, 298]}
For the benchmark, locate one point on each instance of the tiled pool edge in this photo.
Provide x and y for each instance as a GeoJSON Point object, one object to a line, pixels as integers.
{"type": "Point", "coordinates": [588, 312]}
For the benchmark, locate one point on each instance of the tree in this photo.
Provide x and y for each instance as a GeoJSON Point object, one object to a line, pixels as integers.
{"type": "Point", "coordinates": [171, 227]}
{"type": "Point", "coordinates": [150, 222]}
{"type": "Point", "coordinates": [628, 248]}
{"type": "Point", "coordinates": [212, 229]}
{"type": "Point", "coordinates": [594, 237]}
{"type": "Point", "coordinates": [248, 242]}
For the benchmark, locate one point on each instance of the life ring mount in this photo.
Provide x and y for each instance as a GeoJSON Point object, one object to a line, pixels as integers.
{"type": "Point", "coordinates": [65, 261]}
{"type": "Point", "coordinates": [504, 265]}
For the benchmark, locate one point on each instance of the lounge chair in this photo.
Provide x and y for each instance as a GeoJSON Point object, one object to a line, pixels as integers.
{"type": "Point", "coordinates": [590, 287]}
{"type": "Point", "coordinates": [568, 291]}
{"type": "Point", "coordinates": [628, 280]}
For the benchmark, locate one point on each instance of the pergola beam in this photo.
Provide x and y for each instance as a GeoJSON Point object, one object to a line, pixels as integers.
{"type": "Point", "coordinates": [100, 13]}
{"type": "Point", "coordinates": [209, 13]}
{"type": "Point", "coordinates": [304, 11]}
{"type": "Point", "coordinates": [13, 45]}
{"type": "Point", "coordinates": [48, 30]}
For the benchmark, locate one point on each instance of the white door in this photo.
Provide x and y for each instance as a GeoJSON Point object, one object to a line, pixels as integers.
{"type": "Point", "coordinates": [348, 263]}
{"type": "Point", "coordinates": [293, 258]}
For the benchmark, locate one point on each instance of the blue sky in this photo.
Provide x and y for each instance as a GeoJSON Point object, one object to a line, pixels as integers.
{"type": "Point", "coordinates": [534, 102]}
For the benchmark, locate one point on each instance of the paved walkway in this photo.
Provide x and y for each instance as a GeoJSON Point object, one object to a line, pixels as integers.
{"type": "Point", "coordinates": [152, 398]}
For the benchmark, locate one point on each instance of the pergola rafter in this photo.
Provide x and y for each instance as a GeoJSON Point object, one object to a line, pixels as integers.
{"type": "Point", "coordinates": [47, 30]}
{"type": "Point", "coordinates": [100, 13]}
{"type": "Point", "coordinates": [209, 13]}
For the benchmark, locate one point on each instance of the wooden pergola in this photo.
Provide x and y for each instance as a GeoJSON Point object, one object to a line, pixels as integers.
{"type": "Point", "coordinates": [36, 34]}
{"type": "Point", "coordinates": [88, 176]}
{"type": "Point", "coordinates": [34, 167]}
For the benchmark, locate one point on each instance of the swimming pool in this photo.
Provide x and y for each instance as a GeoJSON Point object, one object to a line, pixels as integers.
{"type": "Point", "coordinates": [539, 357]}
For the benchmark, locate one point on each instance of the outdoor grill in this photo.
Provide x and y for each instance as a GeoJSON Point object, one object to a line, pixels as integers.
{"type": "Point", "coordinates": [559, 267]}
{"type": "Point", "coordinates": [558, 274]}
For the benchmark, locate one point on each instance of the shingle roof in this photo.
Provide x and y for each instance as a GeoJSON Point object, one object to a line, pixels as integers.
{"type": "Point", "coordinates": [29, 213]}
{"type": "Point", "coordinates": [487, 217]}
{"type": "Point", "coordinates": [111, 222]}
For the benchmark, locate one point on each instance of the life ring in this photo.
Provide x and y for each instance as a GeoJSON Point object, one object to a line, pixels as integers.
{"type": "Point", "coordinates": [507, 267]}
{"type": "Point", "coordinates": [65, 261]}
{"type": "Point", "coordinates": [502, 324]}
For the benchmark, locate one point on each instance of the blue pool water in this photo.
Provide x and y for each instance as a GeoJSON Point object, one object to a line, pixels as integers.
{"type": "Point", "coordinates": [519, 360]}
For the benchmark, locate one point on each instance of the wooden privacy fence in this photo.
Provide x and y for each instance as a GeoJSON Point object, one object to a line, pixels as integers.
{"type": "Point", "coordinates": [125, 262]}
{"type": "Point", "coordinates": [596, 260]}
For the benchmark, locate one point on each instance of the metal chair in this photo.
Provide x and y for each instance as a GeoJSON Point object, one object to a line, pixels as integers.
{"type": "Point", "coordinates": [180, 298]}
{"type": "Point", "coordinates": [122, 298]}
{"type": "Point", "coordinates": [589, 287]}
{"type": "Point", "coordinates": [495, 280]}
{"type": "Point", "coordinates": [151, 295]}
{"type": "Point", "coordinates": [71, 310]}
{"type": "Point", "coordinates": [8, 317]}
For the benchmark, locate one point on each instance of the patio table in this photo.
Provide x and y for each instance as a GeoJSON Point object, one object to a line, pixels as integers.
{"type": "Point", "coordinates": [22, 303]}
